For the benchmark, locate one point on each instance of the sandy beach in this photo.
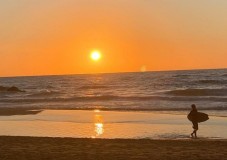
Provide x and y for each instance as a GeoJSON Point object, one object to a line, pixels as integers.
{"type": "Point", "coordinates": [27, 148]}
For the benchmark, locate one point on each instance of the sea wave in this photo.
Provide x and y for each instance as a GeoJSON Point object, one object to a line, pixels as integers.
{"type": "Point", "coordinates": [181, 75]}
{"type": "Point", "coordinates": [124, 108]}
{"type": "Point", "coordinates": [198, 92]}
{"type": "Point", "coordinates": [37, 99]}
{"type": "Point", "coordinates": [43, 93]}
{"type": "Point", "coordinates": [92, 87]}
{"type": "Point", "coordinates": [212, 82]}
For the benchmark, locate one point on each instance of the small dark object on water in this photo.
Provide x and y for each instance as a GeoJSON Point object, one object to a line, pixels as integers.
{"type": "Point", "coordinates": [10, 89]}
{"type": "Point", "coordinates": [14, 89]}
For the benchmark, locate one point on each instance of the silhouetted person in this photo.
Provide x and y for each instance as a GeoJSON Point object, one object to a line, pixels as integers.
{"type": "Point", "coordinates": [195, 126]}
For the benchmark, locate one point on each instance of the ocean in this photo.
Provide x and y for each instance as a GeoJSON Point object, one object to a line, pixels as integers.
{"type": "Point", "coordinates": [144, 91]}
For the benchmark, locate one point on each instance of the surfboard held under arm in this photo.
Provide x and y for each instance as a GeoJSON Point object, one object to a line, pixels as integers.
{"type": "Point", "coordinates": [200, 117]}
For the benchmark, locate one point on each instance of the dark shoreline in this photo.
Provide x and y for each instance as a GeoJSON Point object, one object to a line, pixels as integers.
{"type": "Point", "coordinates": [18, 111]}
{"type": "Point", "coordinates": [111, 109]}
{"type": "Point", "coordinates": [36, 148]}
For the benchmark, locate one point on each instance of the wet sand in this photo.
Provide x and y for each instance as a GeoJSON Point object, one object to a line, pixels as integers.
{"type": "Point", "coordinates": [17, 148]}
{"type": "Point", "coordinates": [109, 124]}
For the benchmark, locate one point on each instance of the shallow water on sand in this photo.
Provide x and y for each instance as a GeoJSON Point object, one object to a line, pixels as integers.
{"type": "Point", "coordinates": [109, 124]}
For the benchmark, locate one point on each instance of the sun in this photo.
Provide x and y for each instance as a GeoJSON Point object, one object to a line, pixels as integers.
{"type": "Point", "coordinates": [95, 55]}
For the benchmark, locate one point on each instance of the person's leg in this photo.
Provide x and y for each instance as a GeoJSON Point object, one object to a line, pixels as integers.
{"type": "Point", "coordinates": [195, 133]}
{"type": "Point", "coordinates": [192, 134]}
{"type": "Point", "coordinates": [195, 127]}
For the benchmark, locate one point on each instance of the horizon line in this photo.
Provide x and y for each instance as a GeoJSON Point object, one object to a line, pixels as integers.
{"type": "Point", "coordinates": [110, 72]}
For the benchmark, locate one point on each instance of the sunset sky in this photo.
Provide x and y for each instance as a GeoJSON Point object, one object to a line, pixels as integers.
{"type": "Point", "coordinates": [41, 37]}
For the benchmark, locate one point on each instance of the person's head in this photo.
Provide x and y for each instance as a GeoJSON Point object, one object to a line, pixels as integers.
{"type": "Point", "coordinates": [193, 107]}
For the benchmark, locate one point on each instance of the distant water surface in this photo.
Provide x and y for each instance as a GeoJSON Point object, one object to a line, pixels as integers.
{"type": "Point", "coordinates": [162, 91]}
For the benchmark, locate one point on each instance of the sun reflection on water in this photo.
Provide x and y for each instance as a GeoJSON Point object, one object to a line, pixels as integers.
{"type": "Point", "coordinates": [99, 127]}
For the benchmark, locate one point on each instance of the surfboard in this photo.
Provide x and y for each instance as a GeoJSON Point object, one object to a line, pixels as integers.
{"type": "Point", "coordinates": [200, 117]}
